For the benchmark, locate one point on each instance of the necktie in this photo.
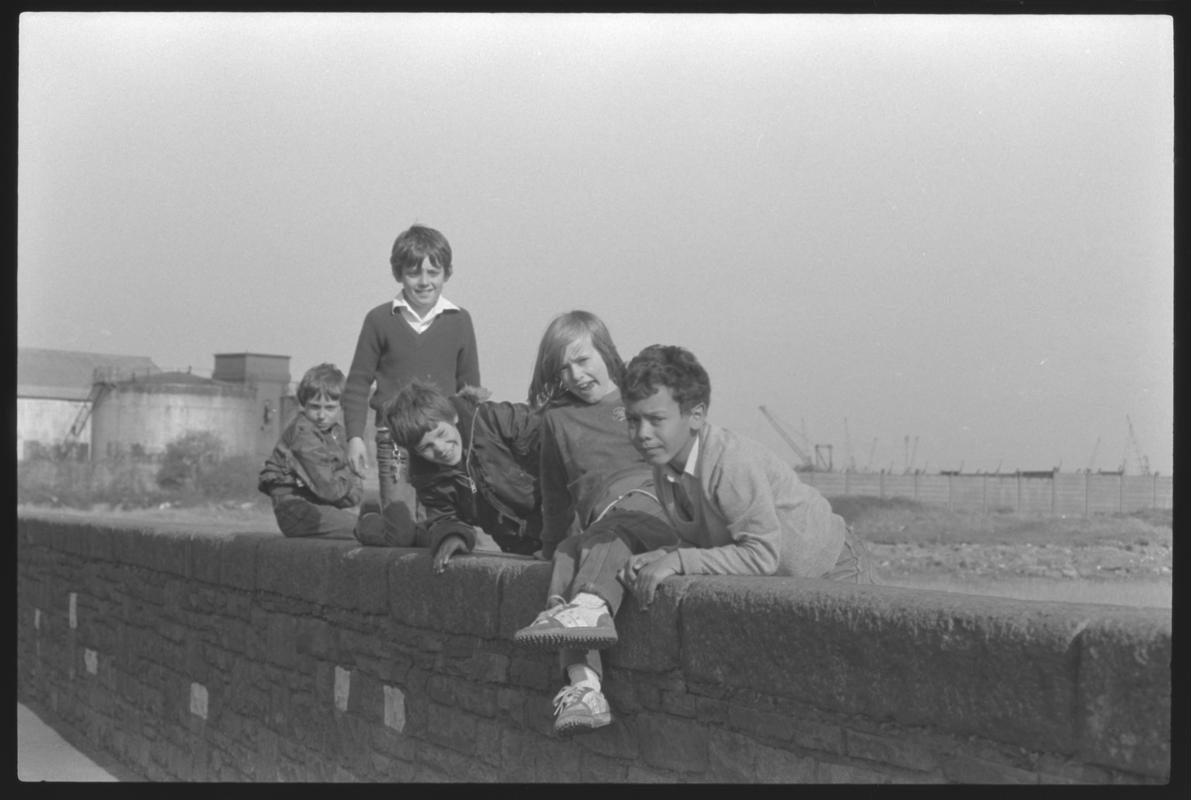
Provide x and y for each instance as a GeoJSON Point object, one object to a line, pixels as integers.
{"type": "Point", "coordinates": [683, 502]}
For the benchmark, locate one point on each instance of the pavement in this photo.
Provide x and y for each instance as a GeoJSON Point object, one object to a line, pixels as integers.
{"type": "Point", "coordinates": [49, 751]}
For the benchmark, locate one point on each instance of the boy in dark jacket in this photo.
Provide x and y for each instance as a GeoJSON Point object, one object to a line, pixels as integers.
{"type": "Point", "coordinates": [473, 464]}
{"type": "Point", "coordinates": [307, 476]}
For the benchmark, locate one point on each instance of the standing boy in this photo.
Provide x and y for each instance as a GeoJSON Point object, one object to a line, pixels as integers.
{"type": "Point", "coordinates": [418, 334]}
{"type": "Point", "coordinates": [307, 475]}
{"type": "Point", "coordinates": [734, 506]}
{"type": "Point", "coordinates": [474, 464]}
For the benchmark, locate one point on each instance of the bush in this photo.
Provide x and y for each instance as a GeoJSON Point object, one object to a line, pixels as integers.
{"type": "Point", "coordinates": [188, 459]}
{"type": "Point", "coordinates": [234, 479]}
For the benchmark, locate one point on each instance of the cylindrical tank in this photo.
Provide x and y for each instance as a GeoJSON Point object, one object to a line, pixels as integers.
{"type": "Point", "coordinates": [142, 416]}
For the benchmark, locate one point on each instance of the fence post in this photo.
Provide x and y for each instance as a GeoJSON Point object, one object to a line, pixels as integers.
{"type": "Point", "coordinates": [984, 493]}
{"type": "Point", "coordinates": [1154, 500]}
{"type": "Point", "coordinates": [882, 484]}
{"type": "Point", "coordinates": [949, 476]}
{"type": "Point", "coordinates": [1087, 479]}
{"type": "Point", "coordinates": [847, 483]}
{"type": "Point", "coordinates": [915, 485]}
{"type": "Point", "coordinates": [1054, 477]}
{"type": "Point", "coordinates": [1121, 492]}
{"type": "Point", "coordinates": [1018, 491]}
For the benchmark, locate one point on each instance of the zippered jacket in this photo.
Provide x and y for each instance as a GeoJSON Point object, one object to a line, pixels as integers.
{"type": "Point", "coordinates": [494, 486]}
{"type": "Point", "coordinates": [311, 464]}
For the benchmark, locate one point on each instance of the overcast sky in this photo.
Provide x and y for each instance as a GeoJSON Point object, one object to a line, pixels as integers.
{"type": "Point", "coordinates": [957, 229]}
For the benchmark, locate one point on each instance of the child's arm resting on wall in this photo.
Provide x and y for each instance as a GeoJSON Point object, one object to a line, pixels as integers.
{"type": "Point", "coordinates": [446, 533]}
{"type": "Point", "coordinates": [644, 572]}
{"type": "Point", "coordinates": [749, 508]}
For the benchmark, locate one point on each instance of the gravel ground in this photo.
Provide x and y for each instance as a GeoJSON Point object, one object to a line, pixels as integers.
{"type": "Point", "coordinates": [1101, 561]}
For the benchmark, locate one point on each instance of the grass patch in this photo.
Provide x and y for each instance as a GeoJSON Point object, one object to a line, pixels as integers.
{"type": "Point", "coordinates": [900, 520]}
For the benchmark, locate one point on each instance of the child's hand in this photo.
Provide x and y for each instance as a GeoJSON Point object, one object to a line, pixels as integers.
{"type": "Point", "coordinates": [357, 455]}
{"type": "Point", "coordinates": [448, 547]}
{"type": "Point", "coordinates": [643, 573]}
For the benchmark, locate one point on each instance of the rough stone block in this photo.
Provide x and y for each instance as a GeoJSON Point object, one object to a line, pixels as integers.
{"type": "Point", "coordinates": [675, 744]}
{"type": "Point", "coordinates": [464, 600]}
{"type": "Point", "coordinates": [1124, 694]}
{"type": "Point", "coordinates": [894, 748]}
{"type": "Point", "coordinates": [830, 772]}
{"type": "Point", "coordinates": [359, 579]}
{"type": "Point", "coordinates": [205, 558]}
{"type": "Point", "coordinates": [959, 768]}
{"type": "Point", "coordinates": [760, 724]}
{"type": "Point", "coordinates": [731, 757]}
{"type": "Point", "coordinates": [781, 766]}
{"type": "Point", "coordinates": [159, 550]}
{"type": "Point", "coordinates": [452, 728]}
{"type": "Point", "coordinates": [649, 639]}
{"type": "Point", "coordinates": [883, 653]}
{"type": "Point", "coordinates": [523, 585]}
{"type": "Point", "coordinates": [238, 556]}
{"type": "Point", "coordinates": [298, 568]}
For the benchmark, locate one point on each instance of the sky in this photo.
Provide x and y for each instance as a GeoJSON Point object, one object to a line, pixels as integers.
{"type": "Point", "coordinates": [930, 241]}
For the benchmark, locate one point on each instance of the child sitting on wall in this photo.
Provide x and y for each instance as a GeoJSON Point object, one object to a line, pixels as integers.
{"type": "Point", "coordinates": [307, 476]}
{"type": "Point", "coordinates": [473, 463]}
{"type": "Point", "coordinates": [732, 508]}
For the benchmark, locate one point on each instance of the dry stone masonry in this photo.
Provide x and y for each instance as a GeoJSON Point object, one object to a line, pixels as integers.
{"type": "Point", "coordinates": [249, 657]}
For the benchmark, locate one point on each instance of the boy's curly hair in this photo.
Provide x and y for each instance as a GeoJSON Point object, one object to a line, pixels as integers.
{"type": "Point", "coordinates": [671, 366]}
{"type": "Point", "coordinates": [324, 379]}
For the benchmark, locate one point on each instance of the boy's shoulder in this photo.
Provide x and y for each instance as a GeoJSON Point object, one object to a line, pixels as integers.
{"type": "Point", "coordinates": [725, 445]}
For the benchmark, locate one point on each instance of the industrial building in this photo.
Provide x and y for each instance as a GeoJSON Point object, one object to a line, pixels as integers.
{"type": "Point", "coordinates": [121, 405]}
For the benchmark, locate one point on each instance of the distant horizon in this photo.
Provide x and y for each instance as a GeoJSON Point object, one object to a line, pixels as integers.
{"type": "Point", "coordinates": [789, 455]}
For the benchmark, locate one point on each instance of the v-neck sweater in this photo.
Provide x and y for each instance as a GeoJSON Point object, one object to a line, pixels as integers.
{"type": "Point", "coordinates": [391, 354]}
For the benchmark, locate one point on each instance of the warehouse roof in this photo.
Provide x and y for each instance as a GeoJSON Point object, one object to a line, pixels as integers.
{"type": "Point", "coordinates": [67, 374]}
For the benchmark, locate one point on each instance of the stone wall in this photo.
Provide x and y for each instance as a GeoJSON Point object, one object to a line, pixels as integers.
{"type": "Point", "coordinates": [191, 655]}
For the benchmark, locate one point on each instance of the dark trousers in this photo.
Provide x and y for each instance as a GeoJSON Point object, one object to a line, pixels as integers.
{"type": "Point", "coordinates": [398, 498]}
{"type": "Point", "coordinates": [590, 561]}
{"type": "Point", "coordinates": [297, 516]}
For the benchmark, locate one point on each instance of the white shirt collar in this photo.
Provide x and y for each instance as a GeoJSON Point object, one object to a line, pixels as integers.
{"type": "Point", "coordinates": [440, 305]}
{"type": "Point", "coordinates": [692, 461]}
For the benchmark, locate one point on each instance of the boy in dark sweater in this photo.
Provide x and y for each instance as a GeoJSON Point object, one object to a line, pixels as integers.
{"type": "Point", "coordinates": [473, 463]}
{"type": "Point", "coordinates": [418, 334]}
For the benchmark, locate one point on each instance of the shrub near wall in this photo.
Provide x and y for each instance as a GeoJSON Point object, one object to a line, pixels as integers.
{"type": "Point", "coordinates": [252, 657]}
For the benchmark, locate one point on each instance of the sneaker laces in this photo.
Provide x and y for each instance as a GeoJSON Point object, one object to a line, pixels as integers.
{"type": "Point", "coordinates": [568, 696]}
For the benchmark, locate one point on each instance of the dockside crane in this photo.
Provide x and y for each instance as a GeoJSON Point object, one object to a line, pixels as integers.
{"type": "Point", "coordinates": [1133, 452]}
{"type": "Point", "coordinates": [822, 460]}
{"type": "Point", "coordinates": [808, 464]}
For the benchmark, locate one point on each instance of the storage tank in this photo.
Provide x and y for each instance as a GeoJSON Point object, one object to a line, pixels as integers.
{"type": "Point", "coordinates": [142, 415]}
